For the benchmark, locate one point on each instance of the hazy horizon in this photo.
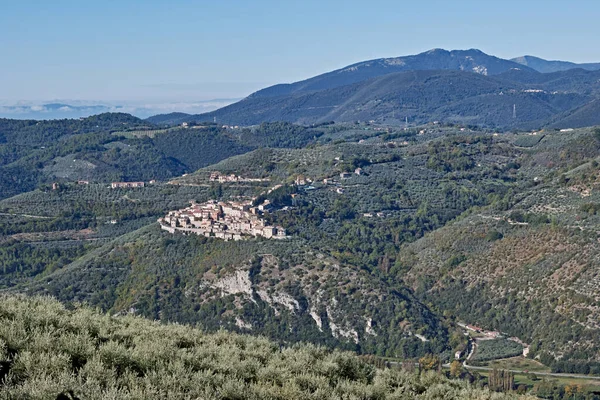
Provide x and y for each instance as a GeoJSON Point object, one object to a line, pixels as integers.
{"type": "Point", "coordinates": [69, 108]}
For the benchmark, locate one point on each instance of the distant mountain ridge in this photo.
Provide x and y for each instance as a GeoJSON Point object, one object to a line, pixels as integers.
{"type": "Point", "coordinates": [436, 59]}
{"type": "Point", "coordinates": [425, 96]}
{"type": "Point", "coordinates": [545, 66]}
{"type": "Point", "coordinates": [458, 86]}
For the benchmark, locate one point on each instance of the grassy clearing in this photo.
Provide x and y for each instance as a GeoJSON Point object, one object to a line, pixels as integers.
{"type": "Point", "coordinates": [496, 349]}
{"type": "Point", "coordinates": [518, 363]}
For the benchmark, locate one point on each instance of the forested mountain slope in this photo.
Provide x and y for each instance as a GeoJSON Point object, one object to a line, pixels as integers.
{"type": "Point", "coordinates": [459, 86]}
{"type": "Point", "coordinates": [317, 286]}
{"type": "Point", "coordinates": [436, 59]}
{"type": "Point", "coordinates": [522, 259]}
{"type": "Point", "coordinates": [541, 65]}
{"type": "Point", "coordinates": [326, 284]}
{"type": "Point", "coordinates": [285, 290]}
{"type": "Point", "coordinates": [512, 99]}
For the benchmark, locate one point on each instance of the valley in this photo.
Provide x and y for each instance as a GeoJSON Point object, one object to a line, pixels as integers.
{"type": "Point", "coordinates": [390, 234]}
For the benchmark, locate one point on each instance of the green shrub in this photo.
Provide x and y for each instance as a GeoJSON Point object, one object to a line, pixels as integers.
{"type": "Point", "coordinates": [493, 235]}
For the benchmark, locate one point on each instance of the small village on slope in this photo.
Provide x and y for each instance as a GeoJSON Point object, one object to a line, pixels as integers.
{"type": "Point", "coordinates": [235, 220]}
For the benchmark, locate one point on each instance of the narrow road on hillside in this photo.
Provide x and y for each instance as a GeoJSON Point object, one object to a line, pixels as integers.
{"type": "Point", "coordinates": [25, 215]}
{"type": "Point", "coordinates": [473, 344]}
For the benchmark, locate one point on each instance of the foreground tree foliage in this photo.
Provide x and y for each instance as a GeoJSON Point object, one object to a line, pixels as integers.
{"type": "Point", "coordinates": [49, 352]}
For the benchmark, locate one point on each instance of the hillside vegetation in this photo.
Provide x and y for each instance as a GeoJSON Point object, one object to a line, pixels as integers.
{"type": "Point", "coordinates": [397, 234]}
{"type": "Point", "coordinates": [321, 286]}
{"type": "Point", "coordinates": [119, 147]}
{"type": "Point", "coordinates": [522, 258]}
{"type": "Point", "coordinates": [50, 352]}
{"type": "Point", "coordinates": [526, 265]}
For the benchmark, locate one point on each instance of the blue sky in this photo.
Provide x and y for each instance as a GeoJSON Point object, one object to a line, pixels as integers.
{"type": "Point", "coordinates": [182, 51]}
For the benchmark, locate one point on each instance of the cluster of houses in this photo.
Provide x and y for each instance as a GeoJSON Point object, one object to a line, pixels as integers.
{"type": "Point", "coordinates": [337, 186]}
{"type": "Point", "coordinates": [301, 180]}
{"type": "Point", "coordinates": [234, 220]}
{"type": "Point", "coordinates": [218, 177]}
{"type": "Point", "coordinates": [116, 185]}
{"type": "Point", "coordinates": [56, 185]}
{"type": "Point", "coordinates": [113, 185]}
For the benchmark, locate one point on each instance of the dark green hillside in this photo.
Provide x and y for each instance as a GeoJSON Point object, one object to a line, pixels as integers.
{"type": "Point", "coordinates": [527, 110]}
{"type": "Point", "coordinates": [586, 115]}
{"type": "Point", "coordinates": [114, 147]}
{"type": "Point", "coordinates": [22, 262]}
{"type": "Point", "coordinates": [30, 146]}
{"type": "Point", "coordinates": [175, 118]}
{"type": "Point", "coordinates": [39, 133]}
{"type": "Point", "coordinates": [527, 266]}
{"type": "Point", "coordinates": [196, 148]}
{"type": "Point", "coordinates": [280, 135]}
{"type": "Point", "coordinates": [50, 352]}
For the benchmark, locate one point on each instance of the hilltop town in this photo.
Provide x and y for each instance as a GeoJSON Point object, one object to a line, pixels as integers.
{"type": "Point", "coordinates": [234, 220]}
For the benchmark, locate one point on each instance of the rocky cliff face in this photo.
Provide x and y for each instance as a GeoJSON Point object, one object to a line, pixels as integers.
{"type": "Point", "coordinates": [319, 299]}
